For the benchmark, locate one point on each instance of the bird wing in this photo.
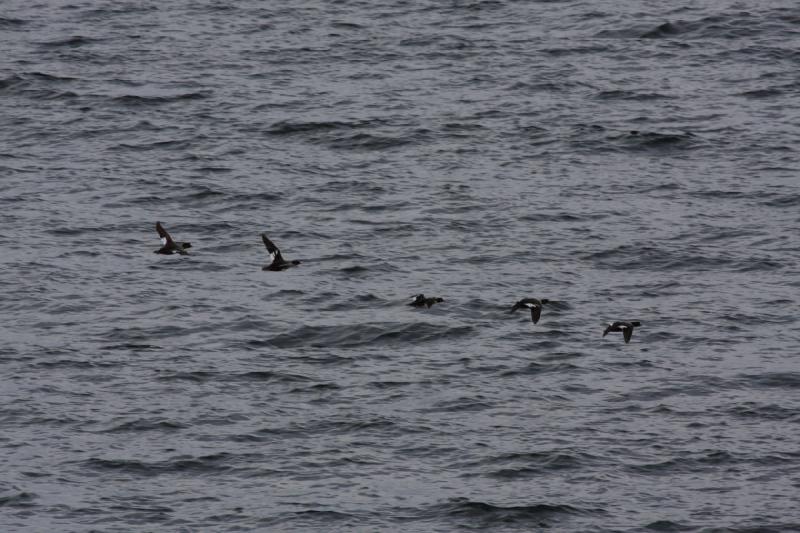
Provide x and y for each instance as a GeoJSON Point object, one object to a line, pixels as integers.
{"type": "Point", "coordinates": [274, 253]}
{"type": "Point", "coordinates": [627, 331]}
{"type": "Point", "coordinates": [165, 238]}
{"type": "Point", "coordinates": [536, 312]}
{"type": "Point", "coordinates": [608, 328]}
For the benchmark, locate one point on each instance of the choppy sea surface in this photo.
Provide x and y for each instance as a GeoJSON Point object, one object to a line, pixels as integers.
{"type": "Point", "coordinates": [625, 160]}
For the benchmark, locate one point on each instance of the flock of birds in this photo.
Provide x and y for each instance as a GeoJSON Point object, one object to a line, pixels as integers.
{"type": "Point", "coordinates": [278, 263]}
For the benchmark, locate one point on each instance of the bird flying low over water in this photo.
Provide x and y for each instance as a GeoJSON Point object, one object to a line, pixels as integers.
{"type": "Point", "coordinates": [419, 301]}
{"type": "Point", "coordinates": [533, 304]}
{"type": "Point", "coordinates": [168, 246]}
{"type": "Point", "coordinates": [278, 262]}
{"type": "Point", "coordinates": [626, 327]}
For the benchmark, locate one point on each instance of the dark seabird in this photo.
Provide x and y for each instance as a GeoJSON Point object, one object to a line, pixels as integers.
{"type": "Point", "coordinates": [626, 327]}
{"type": "Point", "coordinates": [533, 304]}
{"type": "Point", "coordinates": [168, 246]}
{"type": "Point", "coordinates": [420, 300]}
{"type": "Point", "coordinates": [278, 262]}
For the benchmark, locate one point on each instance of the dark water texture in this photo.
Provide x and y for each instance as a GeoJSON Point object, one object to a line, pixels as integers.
{"type": "Point", "coordinates": [630, 160]}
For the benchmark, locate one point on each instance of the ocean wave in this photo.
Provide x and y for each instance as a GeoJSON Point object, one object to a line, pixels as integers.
{"type": "Point", "coordinates": [782, 380]}
{"type": "Point", "coordinates": [730, 25]}
{"type": "Point", "coordinates": [323, 518]}
{"type": "Point", "coordinates": [287, 127]}
{"type": "Point", "coordinates": [212, 464]}
{"type": "Point", "coordinates": [18, 499]}
{"type": "Point", "coordinates": [143, 424]}
{"type": "Point", "coordinates": [788, 200]}
{"type": "Point", "coordinates": [522, 465]}
{"type": "Point", "coordinates": [465, 404]}
{"type": "Point", "coordinates": [534, 368]}
{"type": "Point", "coordinates": [486, 514]}
{"type": "Point", "coordinates": [669, 526]}
{"type": "Point", "coordinates": [74, 363]}
{"type": "Point", "coordinates": [667, 29]}
{"type": "Point", "coordinates": [709, 460]}
{"type": "Point", "coordinates": [371, 141]}
{"type": "Point", "coordinates": [335, 426]}
{"type": "Point", "coordinates": [167, 145]}
{"type": "Point", "coordinates": [368, 335]}
{"type": "Point", "coordinates": [135, 100]}
{"type": "Point", "coordinates": [647, 257]}
{"type": "Point", "coordinates": [39, 86]}
{"type": "Point", "coordinates": [357, 301]}
{"type": "Point", "coordinates": [619, 94]}
{"type": "Point", "coordinates": [203, 376]}
{"type": "Point", "coordinates": [755, 410]}
{"type": "Point", "coordinates": [12, 23]}
{"type": "Point", "coordinates": [594, 138]}
{"type": "Point", "coordinates": [363, 270]}
{"type": "Point", "coordinates": [656, 140]}
{"type": "Point", "coordinates": [71, 42]}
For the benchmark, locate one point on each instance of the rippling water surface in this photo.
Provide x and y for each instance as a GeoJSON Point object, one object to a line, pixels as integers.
{"type": "Point", "coordinates": [624, 160]}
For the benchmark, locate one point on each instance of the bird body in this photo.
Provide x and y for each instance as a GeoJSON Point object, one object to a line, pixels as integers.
{"type": "Point", "coordinates": [625, 326]}
{"type": "Point", "coordinates": [534, 304]}
{"type": "Point", "coordinates": [420, 300]}
{"type": "Point", "coordinates": [278, 262]}
{"type": "Point", "coordinates": [168, 246]}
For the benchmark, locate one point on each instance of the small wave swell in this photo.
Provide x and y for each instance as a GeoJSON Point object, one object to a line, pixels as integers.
{"type": "Point", "coordinates": [487, 514]}
{"type": "Point", "coordinates": [367, 334]}
{"type": "Point", "coordinates": [134, 100]}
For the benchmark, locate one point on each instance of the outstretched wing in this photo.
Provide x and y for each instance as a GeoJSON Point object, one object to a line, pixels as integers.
{"type": "Point", "coordinates": [165, 238]}
{"type": "Point", "coordinates": [627, 331]}
{"type": "Point", "coordinates": [536, 312]}
{"type": "Point", "coordinates": [608, 328]}
{"type": "Point", "coordinates": [273, 251]}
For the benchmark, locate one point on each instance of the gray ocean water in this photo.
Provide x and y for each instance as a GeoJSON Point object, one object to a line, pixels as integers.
{"type": "Point", "coordinates": [625, 160]}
